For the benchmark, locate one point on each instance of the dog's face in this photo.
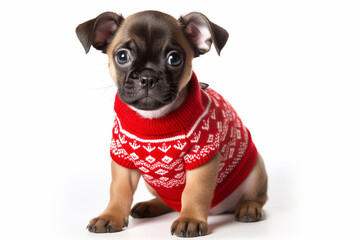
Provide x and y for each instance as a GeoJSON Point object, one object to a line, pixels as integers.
{"type": "Point", "coordinates": [150, 60]}
{"type": "Point", "coordinates": [150, 53]}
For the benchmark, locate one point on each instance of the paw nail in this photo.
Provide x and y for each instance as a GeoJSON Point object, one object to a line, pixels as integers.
{"type": "Point", "coordinates": [94, 230]}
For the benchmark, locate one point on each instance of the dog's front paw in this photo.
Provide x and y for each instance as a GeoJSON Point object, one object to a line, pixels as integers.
{"type": "Point", "coordinates": [105, 223]}
{"type": "Point", "coordinates": [189, 227]}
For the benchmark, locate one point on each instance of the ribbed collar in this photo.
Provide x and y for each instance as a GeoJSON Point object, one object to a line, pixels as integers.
{"type": "Point", "coordinates": [175, 121]}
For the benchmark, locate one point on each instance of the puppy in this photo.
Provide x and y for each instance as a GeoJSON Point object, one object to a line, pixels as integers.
{"type": "Point", "coordinates": [183, 138]}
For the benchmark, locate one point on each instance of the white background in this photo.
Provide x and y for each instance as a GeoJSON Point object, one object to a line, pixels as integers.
{"type": "Point", "coordinates": [290, 68]}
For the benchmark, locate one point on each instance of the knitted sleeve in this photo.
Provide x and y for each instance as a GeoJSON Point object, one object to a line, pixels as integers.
{"type": "Point", "coordinates": [204, 141]}
{"type": "Point", "coordinates": [118, 150]}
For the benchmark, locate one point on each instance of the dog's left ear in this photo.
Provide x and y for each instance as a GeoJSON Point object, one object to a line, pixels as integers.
{"type": "Point", "coordinates": [202, 33]}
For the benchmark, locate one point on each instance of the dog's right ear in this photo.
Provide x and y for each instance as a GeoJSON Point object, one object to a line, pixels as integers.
{"type": "Point", "coordinates": [99, 31]}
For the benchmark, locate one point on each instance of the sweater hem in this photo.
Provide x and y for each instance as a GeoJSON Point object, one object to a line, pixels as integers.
{"type": "Point", "coordinates": [173, 204]}
{"type": "Point", "coordinates": [238, 176]}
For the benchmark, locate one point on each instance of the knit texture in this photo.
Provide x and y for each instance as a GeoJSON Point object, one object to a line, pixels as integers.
{"type": "Point", "coordinates": [162, 149]}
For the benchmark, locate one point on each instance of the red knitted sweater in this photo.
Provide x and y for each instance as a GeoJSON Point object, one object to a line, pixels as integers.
{"type": "Point", "coordinates": [163, 149]}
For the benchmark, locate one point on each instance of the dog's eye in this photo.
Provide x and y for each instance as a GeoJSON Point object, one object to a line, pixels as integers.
{"type": "Point", "coordinates": [174, 59]}
{"type": "Point", "coordinates": [122, 57]}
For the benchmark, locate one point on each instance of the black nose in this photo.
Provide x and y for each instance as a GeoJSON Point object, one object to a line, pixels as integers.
{"type": "Point", "coordinates": [148, 80]}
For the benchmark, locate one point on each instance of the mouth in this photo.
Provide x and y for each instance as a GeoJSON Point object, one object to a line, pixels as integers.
{"type": "Point", "coordinates": [147, 102]}
{"type": "Point", "coordinates": [147, 90]}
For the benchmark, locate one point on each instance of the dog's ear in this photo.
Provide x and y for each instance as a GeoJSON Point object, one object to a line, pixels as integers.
{"type": "Point", "coordinates": [202, 33]}
{"type": "Point", "coordinates": [99, 31]}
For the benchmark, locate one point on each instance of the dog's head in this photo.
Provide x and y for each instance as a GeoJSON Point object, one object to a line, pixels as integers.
{"type": "Point", "coordinates": [150, 53]}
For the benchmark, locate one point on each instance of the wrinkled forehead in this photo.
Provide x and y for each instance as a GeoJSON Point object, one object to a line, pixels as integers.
{"type": "Point", "coordinates": [150, 30]}
{"type": "Point", "coordinates": [148, 23]}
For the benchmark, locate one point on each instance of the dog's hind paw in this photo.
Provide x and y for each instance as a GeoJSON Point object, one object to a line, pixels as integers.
{"type": "Point", "coordinates": [152, 208]}
{"type": "Point", "coordinates": [249, 211]}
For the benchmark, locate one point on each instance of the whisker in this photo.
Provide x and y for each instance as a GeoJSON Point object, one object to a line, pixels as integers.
{"type": "Point", "coordinates": [105, 87]}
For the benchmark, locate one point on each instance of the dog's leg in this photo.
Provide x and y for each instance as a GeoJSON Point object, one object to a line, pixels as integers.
{"type": "Point", "coordinates": [249, 208]}
{"type": "Point", "coordinates": [196, 200]}
{"type": "Point", "coordinates": [116, 215]}
{"type": "Point", "coordinates": [152, 208]}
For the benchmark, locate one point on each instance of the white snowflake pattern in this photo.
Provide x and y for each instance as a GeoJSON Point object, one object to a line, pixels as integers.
{"type": "Point", "coordinates": [230, 137]}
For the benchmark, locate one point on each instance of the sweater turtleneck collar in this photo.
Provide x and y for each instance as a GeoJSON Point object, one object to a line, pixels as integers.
{"type": "Point", "coordinates": [178, 120]}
